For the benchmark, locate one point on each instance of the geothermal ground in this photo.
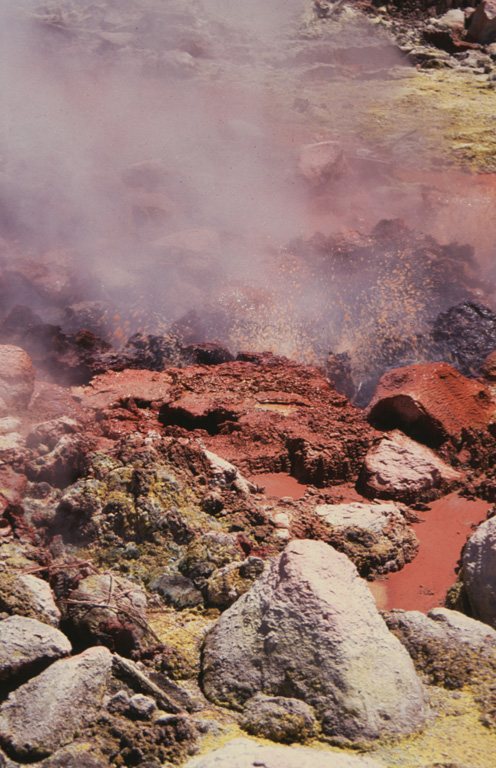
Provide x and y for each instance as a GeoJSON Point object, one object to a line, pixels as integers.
{"type": "Point", "coordinates": [247, 384]}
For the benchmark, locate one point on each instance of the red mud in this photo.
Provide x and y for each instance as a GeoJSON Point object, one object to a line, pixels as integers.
{"type": "Point", "coordinates": [422, 584]}
{"type": "Point", "coordinates": [280, 484]}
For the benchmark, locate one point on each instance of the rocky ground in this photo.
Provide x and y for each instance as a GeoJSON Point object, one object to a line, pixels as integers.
{"type": "Point", "coordinates": [247, 343]}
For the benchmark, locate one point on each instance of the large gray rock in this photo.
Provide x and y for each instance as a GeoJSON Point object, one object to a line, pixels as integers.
{"type": "Point", "coordinates": [400, 468]}
{"type": "Point", "coordinates": [309, 629]}
{"type": "Point", "coordinates": [27, 645]}
{"type": "Point", "coordinates": [479, 572]}
{"type": "Point", "coordinates": [45, 713]}
{"type": "Point", "coordinates": [243, 753]}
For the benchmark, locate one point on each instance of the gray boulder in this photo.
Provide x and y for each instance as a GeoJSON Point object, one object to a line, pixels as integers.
{"type": "Point", "coordinates": [479, 572]}
{"type": "Point", "coordinates": [445, 645]}
{"type": "Point", "coordinates": [27, 645]}
{"type": "Point", "coordinates": [400, 468]}
{"type": "Point", "coordinates": [309, 629]}
{"type": "Point", "coordinates": [42, 598]}
{"type": "Point", "coordinates": [45, 713]}
{"type": "Point", "coordinates": [243, 753]}
{"type": "Point", "coordinates": [376, 537]}
{"type": "Point", "coordinates": [110, 610]}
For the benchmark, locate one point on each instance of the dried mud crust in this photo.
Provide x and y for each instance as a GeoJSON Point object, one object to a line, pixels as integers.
{"type": "Point", "coordinates": [268, 414]}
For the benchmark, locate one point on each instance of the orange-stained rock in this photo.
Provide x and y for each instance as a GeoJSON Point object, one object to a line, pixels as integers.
{"type": "Point", "coordinates": [432, 403]}
{"type": "Point", "coordinates": [16, 377]}
{"type": "Point", "coordinates": [267, 414]}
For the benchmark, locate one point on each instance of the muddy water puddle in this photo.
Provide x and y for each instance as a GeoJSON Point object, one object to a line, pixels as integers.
{"type": "Point", "coordinates": [281, 485]}
{"type": "Point", "coordinates": [422, 584]}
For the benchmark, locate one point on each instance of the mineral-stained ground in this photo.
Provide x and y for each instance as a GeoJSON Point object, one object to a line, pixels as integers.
{"type": "Point", "coordinates": [247, 384]}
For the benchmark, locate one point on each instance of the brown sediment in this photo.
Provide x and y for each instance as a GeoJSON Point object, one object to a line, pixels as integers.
{"type": "Point", "coordinates": [422, 584]}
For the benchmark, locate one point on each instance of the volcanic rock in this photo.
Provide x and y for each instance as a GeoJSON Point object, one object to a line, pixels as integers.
{"type": "Point", "coordinates": [349, 668]}
{"type": "Point", "coordinates": [110, 610]}
{"type": "Point", "coordinates": [42, 598]}
{"type": "Point", "coordinates": [264, 413]}
{"type": "Point", "coordinates": [278, 718]}
{"type": "Point", "coordinates": [445, 645]}
{"type": "Point", "coordinates": [482, 27]}
{"type": "Point", "coordinates": [431, 403]}
{"type": "Point", "coordinates": [12, 487]}
{"type": "Point", "coordinates": [479, 572]}
{"type": "Point", "coordinates": [488, 368]}
{"type": "Point", "coordinates": [322, 162]}
{"type": "Point", "coordinates": [376, 537]}
{"type": "Point", "coordinates": [244, 753]}
{"type": "Point", "coordinates": [465, 335]}
{"type": "Point", "coordinates": [27, 645]}
{"type": "Point", "coordinates": [26, 595]}
{"type": "Point", "coordinates": [45, 713]}
{"type": "Point", "coordinates": [75, 755]}
{"type": "Point", "coordinates": [402, 469]}
{"type": "Point", "coordinates": [62, 465]}
{"type": "Point", "coordinates": [177, 590]}
{"type": "Point", "coordinates": [208, 552]}
{"type": "Point", "coordinates": [16, 378]}
{"type": "Point", "coordinates": [226, 584]}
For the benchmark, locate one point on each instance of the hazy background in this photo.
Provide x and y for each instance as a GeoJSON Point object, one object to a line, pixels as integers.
{"type": "Point", "coordinates": [149, 152]}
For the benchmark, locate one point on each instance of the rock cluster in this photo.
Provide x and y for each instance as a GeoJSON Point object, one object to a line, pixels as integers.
{"type": "Point", "coordinates": [358, 680]}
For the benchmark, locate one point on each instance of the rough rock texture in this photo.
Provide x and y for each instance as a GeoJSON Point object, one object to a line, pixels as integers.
{"type": "Point", "coordinates": [110, 610]}
{"type": "Point", "coordinates": [27, 645]}
{"type": "Point", "coordinates": [451, 650]}
{"type": "Point", "coordinates": [402, 469]}
{"type": "Point", "coordinates": [432, 403]}
{"type": "Point", "coordinates": [226, 584]}
{"type": "Point", "coordinates": [265, 413]}
{"type": "Point", "coordinates": [42, 598]}
{"type": "Point", "coordinates": [349, 668]}
{"type": "Point", "coordinates": [446, 645]}
{"type": "Point", "coordinates": [16, 377]}
{"type": "Point", "coordinates": [45, 713]}
{"type": "Point", "coordinates": [466, 334]}
{"type": "Point", "coordinates": [482, 27]}
{"type": "Point", "coordinates": [243, 753]}
{"type": "Point", "coordinates": [322, 162]}
{"type": "Point", "coordinates": [279, 718]}
{"type": "Point", "coordinates": [21, 594]}
{"type": "Point", "coordinates": [177, 590]}
{"type": "Point", "coordinates": [479, 571]}
{"type": "Point", "coordinates": [377, 537]}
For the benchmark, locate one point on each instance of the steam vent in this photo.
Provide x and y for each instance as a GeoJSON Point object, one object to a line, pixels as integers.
{"type": "Point", "coordinates": [247, 384]}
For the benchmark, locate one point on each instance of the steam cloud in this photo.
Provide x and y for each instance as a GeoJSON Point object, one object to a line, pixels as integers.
{"type": "Point", "coordinates": [149, 148]}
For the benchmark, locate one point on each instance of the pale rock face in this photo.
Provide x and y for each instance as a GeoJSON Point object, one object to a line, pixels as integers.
{"type": "Point", "coordinates": [243, 753]}
{"type": "Point", "coordinates": [402, 469]}
{"type": "Point", "coordinates": [26, 644]}
{"type": "Point", "coordinates": [370, 517]}
{"type": "Point", "coordinates": [46, 712]}
{"type": "Point", "coordinates": [309, 629]}
{"type": "Point", "coordinates": [479, 572]}
{"type": "Point", "coordinates": [321, 162]}
{"type": "Point", "coordinates": [482, 27]}
{"type": "Point", "coordinates": [42, 598]}
{"type": "Point", "coordinates": [16, 377]}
